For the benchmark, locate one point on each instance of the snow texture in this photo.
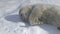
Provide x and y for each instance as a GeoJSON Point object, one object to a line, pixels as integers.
{"type": "Point", "coordinates": [10, 22]}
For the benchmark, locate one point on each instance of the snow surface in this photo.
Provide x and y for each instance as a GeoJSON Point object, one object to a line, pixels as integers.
{"type": "Point", "coordinates": [10, 22]}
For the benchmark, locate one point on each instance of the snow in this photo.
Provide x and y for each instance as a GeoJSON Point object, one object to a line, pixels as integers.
{"type": "Point", "coordinates": [10, 22]}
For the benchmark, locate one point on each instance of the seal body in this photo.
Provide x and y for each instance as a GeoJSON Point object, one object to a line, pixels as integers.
{"type": "Point", "coordinates": [41, 14]}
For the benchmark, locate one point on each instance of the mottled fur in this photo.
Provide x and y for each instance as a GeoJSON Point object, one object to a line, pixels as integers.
{"type": "Point", "coordinates": [41, 13]}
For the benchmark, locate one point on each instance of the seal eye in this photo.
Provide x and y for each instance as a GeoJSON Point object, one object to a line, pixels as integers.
{"type": "Point", "coordinates": [39, 19]}
{"type": "Point", "coordinates": [21, 14]}
{"type": "Point", "coordinates": [58, 28]}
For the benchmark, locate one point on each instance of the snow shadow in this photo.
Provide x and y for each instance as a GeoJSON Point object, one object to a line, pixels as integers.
{"type": "Point", "coordinates": [16, 19]}
{"type": "Point", "coordinates": [13, 18]}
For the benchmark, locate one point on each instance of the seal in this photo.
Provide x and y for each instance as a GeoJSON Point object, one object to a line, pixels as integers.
{"type": "Point", "coordinates": [38, 14]}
